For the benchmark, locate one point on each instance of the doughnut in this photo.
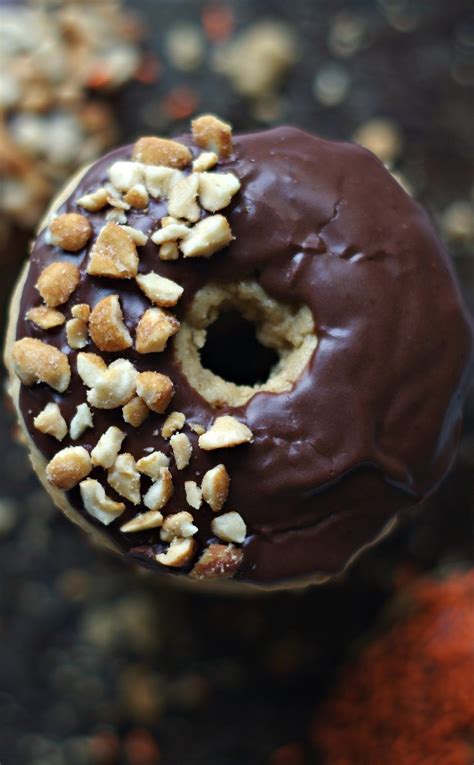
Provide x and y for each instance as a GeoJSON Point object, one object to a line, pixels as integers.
{"type": "Point", "coordinates": [239, 360]}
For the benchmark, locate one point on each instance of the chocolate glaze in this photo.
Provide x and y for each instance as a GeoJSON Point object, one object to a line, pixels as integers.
{"type": "Point", "coordinates": [370, 428]}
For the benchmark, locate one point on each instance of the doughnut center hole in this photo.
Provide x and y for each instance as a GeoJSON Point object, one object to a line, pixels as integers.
{"type": "Point", "coordinates": [233, 352]}
{"type": "Point", "coordinates": [236, 341]}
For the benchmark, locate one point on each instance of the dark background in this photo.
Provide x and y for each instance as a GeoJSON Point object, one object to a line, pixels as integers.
{"type": "Point", "coordinates": [97, 664]}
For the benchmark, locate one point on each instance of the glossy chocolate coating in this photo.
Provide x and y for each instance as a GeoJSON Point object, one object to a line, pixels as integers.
{"type": "Point", "coordinates": [370, 428]}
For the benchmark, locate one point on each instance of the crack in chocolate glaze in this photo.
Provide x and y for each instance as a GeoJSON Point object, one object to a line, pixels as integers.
{"type": "Point", "coordinates": [370, 428]}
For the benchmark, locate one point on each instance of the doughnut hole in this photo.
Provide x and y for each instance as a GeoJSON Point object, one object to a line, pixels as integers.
{"type": "Point", "coordinates": [236, 341]}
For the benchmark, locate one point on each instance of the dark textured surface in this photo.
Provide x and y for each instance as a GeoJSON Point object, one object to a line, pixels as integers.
{"type": "Point", "coordinates": [90, 651]}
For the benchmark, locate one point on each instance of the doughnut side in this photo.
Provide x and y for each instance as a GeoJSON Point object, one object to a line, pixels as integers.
{"type": "Point", "coordinates": [271, 482]}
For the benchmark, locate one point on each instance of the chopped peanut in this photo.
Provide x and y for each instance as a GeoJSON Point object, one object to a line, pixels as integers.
{"type": "Point", "coordinates": [68, 467]}
{"type": "Point", "coordinates": [212, 134]}
{"type": "Point", "coordinates": [151, 464]}
{"type": "Point", "coordinates": [155, 389]}
{"type": "Point", "coordinates": [179, 553]}
{"type": "Point", "coordinates": [36, 362]}
{"type": "Point", "coordinates": [124, 478]}
{"type": "Point", "coordinates": [106, 326]}
{"type": "Point", "coordinates": [206, 161]}
{"type": "Point", "coordinates": [161, 151]}
{"type": "Point", "coordinates": [51, 422]}
{"type": "Point", "coordinates": [182, 199]}
{"type": "Point", "coordinates": [124, 175]}
{"type": "Point", "coordinates": [216, 190]}
{"type": "Point", "coordinates": [207, 237]}
{"type": "Point", "coordinates": [137, 197]}
{"type": "Point", "coordinates": [175, 421]}
{"type": "Point", "coordinates": [229, 527]}
{"type": "Point", "coordinates": [218, 562]}
{"type": "Point", "coordinates": [160, 180]}
{"type": "Point", "coordinates": [94, 201]}
{"type": "Point", "coordinates": [160, 492]}
{"type": "Point", "coordinates": [107, 447]}
{"type": "Point", "coordinates": [57, 282]}
{"type": "Point", "coordinates": [162, 292]}
{"type": "Point", "coordinates": [215, 487]}
{"type": "Point", "coordinates": [135, 412]}
{"type": "Point", "coordinates": [80, 422]}
{"type": "Point", "coordinates": [193, 494]}
{"type": "Point", "coordinates": [149, 520]}
{"type": "Point", "coordinates": [70, 231]}
{"type": "Point", "coordinates": [113, 254]}
{"type": "Point", "coordinates": [225, 432]}
{"type": "Point", "coordinates": [154, 330]}
{"type": "Point", "coordinates": [182, 449]}
{"type": "Point", "coordinates": [45, 318]}
{"type": "Point", "coordinates": [98, 504]}
{"type": "Point", "coordinates": [76, 333]}
{"type": "Point", "coordinates": [81, 311]}
{"type": "Point", "coordinates": [178, 525]}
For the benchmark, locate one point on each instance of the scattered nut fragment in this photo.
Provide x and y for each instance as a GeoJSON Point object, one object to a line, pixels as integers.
{"type": "Point", "coordinates": [207, 237]}
{"type": "Point", "coordinates": [154, 329]}
{"type": "Point", "coordinates": [175, 421]}
{"type": "Point", "coordinates": [45, 318]}
{"type": "Point", "coordinates": [212, 134]}
{"type": "Point", "coordinates": [98, 504]}
{"type": "Point", "coordinates": [155, 389]}
{"type": "Point", "coordinates": [115, 386]}
{"type": "Point", "coordinates": [193, 494]}
{"type": "Point", "coordinates": [162, 292]}
{"type": "Point", "coordinates": [218, 562]}
{"type": "Point", "coordinates": [161, 151]}
{"type": "Point", "coordinates": [136, 235]}
{"type": "Point", "coordinates": [116, 216]}
{"type": "Point", "coordinates": [225, 431]}
{"type": "Point", "coordinates": [51, 422]}
{"type": "Point", "coordinates": [216, 190]}
{"type": "Point", "coordinates": [182, 199]}
{"type": "Point", "coordinates": [68, 467]}
{"type": "Point", "coordinates": [170, 232]}
{"type": "Point", "coordinates": [113, 254]}
{"type": "Point", "coordinates": [206, 161]}
{"type": "Point", "coordinates": [160, 180]}
{"type": "Point", "coordinates": [107, 447]}
{"type": "Point", "coordinates": [106, 326]}
{"type": "Point", "coordinates": [124, 478]}
{"type": "Point", "coordinates": [179, 553]}
{"type": "Point", "coordinates": [94, 201]}
{"type": "Point", "coordinates": [81, 311]}
{"type": "Point", "coordinates": [90, 368]}
{"type": "Point", "coordinates": [229, 527]}
{"type": "Point", "coordinates": [124, 175]}
{"type": "Point", "coordinates": [178, 525]}
{"type": "Point", "coordinates": [80, 422]}
{"type": "Point", "coordinates": [76, 334]}
{"type": "Point", "coordinates": [142, 522]}
{"type": "Point", "coordinates": [182, 449]}
{"type": "Point", "coordinates": [135, 412]}
{"type": "Point", "coordinates": [137, 197]}
{"type": "Point", "coordinates": [215, 487]}
{"type": "Point", "coordinates": [71, 231]}
{"type": "Point", "coordinates": [57, 282]}
{"type": "Point", "coordinates": [152, 464]}
{"type": "Point", "coordinates": [168, 251]}
{"type": "Point", "coordinates": [197, 428]}
{"type": "Point", "coordinates": [160, 492]}
{"type": "Point", "coordinates": [37, 362]}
